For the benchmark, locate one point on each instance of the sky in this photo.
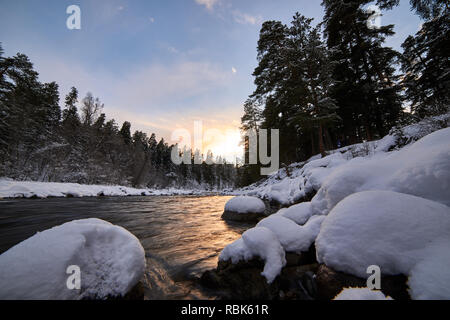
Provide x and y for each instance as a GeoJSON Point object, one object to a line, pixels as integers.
{"type": "Point", "coordinates": [160, 64]}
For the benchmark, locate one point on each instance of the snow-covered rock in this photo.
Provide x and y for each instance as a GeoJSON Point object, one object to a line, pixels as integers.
{"type": "Point", "coordinates": [299, 213]}
{"type": "Point", "coordinates": [245, 204]}
{"type": "Point", "coordinates": [257, 242]}
{"type": "Point", "coordinates": [430, 278]}
{"type": "Point", "coordinates": [361, 294]}
{"type": "Point", "coordinates": [293, 238]}
{"type": "Point", "coordinates": [400, 233]}
{"type": "Point", "coordinates": [111, 262]}
{"type": "Point", "coordinates": [382, 228]}
{"type": "Point", "coordinates": [244, 208]}
{"type": "Point", "coordinates": [388, 208]}
{"type": "Point", "coordinates": [277, 235]}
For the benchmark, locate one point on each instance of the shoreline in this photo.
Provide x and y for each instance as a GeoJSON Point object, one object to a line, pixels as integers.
{"type": "Point", "coordinates": [13, 189]}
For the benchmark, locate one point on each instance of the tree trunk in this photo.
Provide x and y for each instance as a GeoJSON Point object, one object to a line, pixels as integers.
{"type": "Point", "coordinates": [321, 146]}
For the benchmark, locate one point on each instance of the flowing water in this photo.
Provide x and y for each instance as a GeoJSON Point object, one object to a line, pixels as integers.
{"type": "Point", "coordinates": [182, 235]}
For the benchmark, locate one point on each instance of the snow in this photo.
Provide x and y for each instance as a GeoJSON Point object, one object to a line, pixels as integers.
{"type": "Point", "coordinates": [378, 207]}
{"type": "Point", "coordinates": [421, 169]}
{"type": "Point", "coordinates": [31, 189]}
{"type": "Point", "coordinates": [400, 233]}
{"type": "Point", "coordinates": [384, 203]}
{"type": "Point", "coordinates": [382, 228]}
{"type": "Point", "coordinates": [257, 242]}
{"type": "Point", "coordinates": [299, 213]}
{"type": "Point", "coordinates": [245, 204]}
{"type": "Point", "coordinates": [293, 238]}
{"type": "Point", "coordinates": [361, 294]}
{"type": "Point", "coordinates": [430, 278]}
{"type": "Point", "coordinates": [270, 239]}
{"type": "Point", "coordinates": [289, 185]}
{"type": "Point", "coordinates": [110, 258]}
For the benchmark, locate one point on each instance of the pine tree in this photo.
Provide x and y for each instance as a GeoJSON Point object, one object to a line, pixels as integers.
{"type": "Point", "coordinates": [70, 118]}
{"type": "Point", "coordinates": [366, 90]}
{"type": "Point", "coordinates": [426, 61]}
{"type": "Point", "coordinates": [313, 69]}
{"type": "Point", "coordinates": [125, 132]}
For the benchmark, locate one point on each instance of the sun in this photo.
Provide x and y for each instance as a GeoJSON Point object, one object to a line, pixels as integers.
{"type": "Point", "coordinates": [227, 145]}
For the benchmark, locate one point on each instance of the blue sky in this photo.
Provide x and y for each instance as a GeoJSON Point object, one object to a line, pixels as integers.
{"type": "Point", "coordinates": [159, 64]}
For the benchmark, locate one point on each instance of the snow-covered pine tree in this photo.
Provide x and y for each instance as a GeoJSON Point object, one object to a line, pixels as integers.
{"type": "Point", "coordinates": [426, 61]}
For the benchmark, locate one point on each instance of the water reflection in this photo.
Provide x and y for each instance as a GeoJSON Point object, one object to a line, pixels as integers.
{"type": "Point", "coordinates": [182, 235]}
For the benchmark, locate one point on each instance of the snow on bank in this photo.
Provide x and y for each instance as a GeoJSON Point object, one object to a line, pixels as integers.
{"type": "Point", "coordinates": [402, 228]}
{"type": "Point", "coordinates": [110, 258]}
{"type": "Point", "coordinates": [292, 237]}
{"type": "Point", "coordinates": [257, 242]}
{"type": "Point", "coordinates": [245, 204]}
{"type": "Point", "coordinates": [421, 169]}
{"type": "Point", "coordinates": [388, 229]}
{"type": "Point", "coordinates": [361, 294]}
{"type": "Point", "coordinates": [269, 240]}
{"type": "Point", "coordinates": [400, 233]}
{"type": "Point", "coordinates": [289, 185]}
{"type": "Point", "coordinates": [31, 189]}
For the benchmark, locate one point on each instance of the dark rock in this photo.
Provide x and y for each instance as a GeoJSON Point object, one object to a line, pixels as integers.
{"type": "Point", "coordinates": [243, 280]}
{"type": "Point", "coordinates": [330, 282]}
{"type": "Point", "coordinates": [136, 293]}
{"type": "Point", "coordinates": [242, 217]}
{"type": "Point", "coordinates": [210, 279]}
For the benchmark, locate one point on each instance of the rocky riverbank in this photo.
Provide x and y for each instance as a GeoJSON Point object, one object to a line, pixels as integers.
{"type": "Point", "coordinates": [302, 278]}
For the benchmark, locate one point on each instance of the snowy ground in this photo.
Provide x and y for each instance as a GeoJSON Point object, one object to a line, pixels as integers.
{"type": "Point", "coordinates": [289, 186]}
{"type": "Point", "coordinates": [30, 189]}
{"type": "Point", "coordinates": [382, 203]}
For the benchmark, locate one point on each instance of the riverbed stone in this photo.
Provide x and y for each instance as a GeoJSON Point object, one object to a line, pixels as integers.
{"type": "Point", "coordinates": [243, 280]}
{"type": "Point", "coordinates": [242, 217]}
{"type": "Point", "coordinates": [330, 283]}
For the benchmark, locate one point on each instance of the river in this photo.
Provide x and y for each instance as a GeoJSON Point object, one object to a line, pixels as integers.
{"type": "Point", "coordinates": [182, 235]}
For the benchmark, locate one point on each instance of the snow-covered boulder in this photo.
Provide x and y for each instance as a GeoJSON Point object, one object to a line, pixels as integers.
{"type": "Point", "coordinates": [400, 233]}
{"type": "Point", "coordinates": [430, 278]}
{"type": "Point", "coordinates": [257, 242]}
{"type": "Point", "coordinates": [383, 228]}
{"type": "Point", "coordinates": [293, 238]}
{"type": "Point", "coordinates": [244, 208]}
{"type": "Point", "coordinates": [299, 213]}
{"type": "Point", "coordinates": [361, 294]}
{"type": "Point", "coordinates": [111, 262]}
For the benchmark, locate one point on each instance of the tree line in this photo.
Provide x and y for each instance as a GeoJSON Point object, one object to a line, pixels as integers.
{"type": "Point", "coordinates": [42, 142]}
{"type": "Point", "coordinates": [333, 84]}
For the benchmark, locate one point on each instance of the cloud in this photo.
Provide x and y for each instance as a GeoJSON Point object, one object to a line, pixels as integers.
{"type": "Point", "coordinates": [209, 4]}
{"type": "Point", "coordinates": [165, 85]}
{"type": "Point", "coordinates": [244, 18]}
{"type": "Point", "coordinates": [172, 50]}
{"type": "Point", "coordinates": [226, 8]}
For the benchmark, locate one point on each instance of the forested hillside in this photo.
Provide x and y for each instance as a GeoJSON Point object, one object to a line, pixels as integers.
{"type": "Point", "coordinates": [336, 83]}
{"type": "Point", "coordinates": [41, 142]}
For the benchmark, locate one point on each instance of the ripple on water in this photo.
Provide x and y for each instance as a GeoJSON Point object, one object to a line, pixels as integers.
{"type": "Point", "coordinates": [182, 235]}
